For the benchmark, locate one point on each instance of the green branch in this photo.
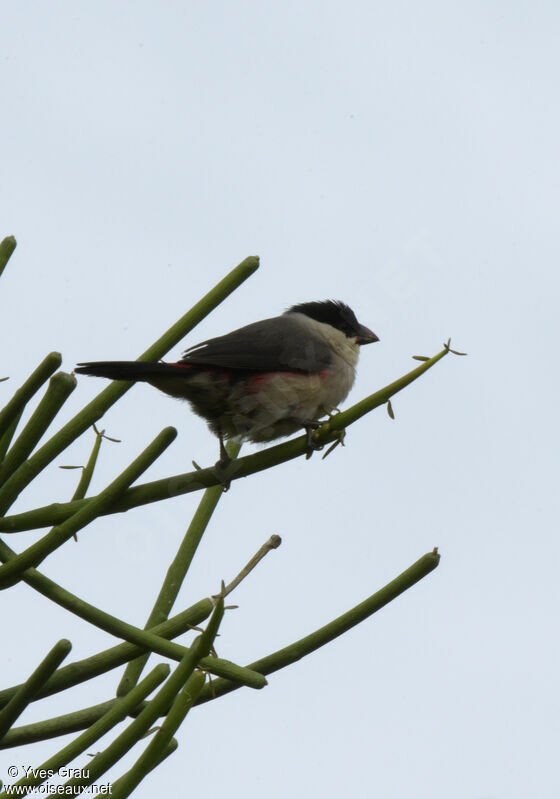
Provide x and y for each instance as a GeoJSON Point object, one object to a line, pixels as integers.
{"type": "Point", "coordinates": [27, 692]}
{"type": "Point", "coordinates": [157, 707]}
{"type": "Point", "coordinates": [8, 434]}
{"type": "Point", "coordinates": [299, 649]}
{"type": "Point", "coordinates": [180, 690]}
{"type": "Point", "coordinates": [183, 702]}
{"type": "Point", "coordinates": [60, 388]}
{"type": "Point", "coordinates": [82, 719]}
{"type": "Point", "coordinates": [7, 246]}
{"type": "Point", "coordinates": [176, 572]}
{"type": "Point", "coordinates": [154, 752]}
{"type": "Point", "coordinates": [34, 554]}
{"type": "Point", "coordinates": [82, 670]}
{"type": "Point", "coordinates": [31, 386]}
{"type": "Point", "coordinates": [62, 725]}
{"type": "Point", "coordinates": [114, 715]}
{"type": "Point", "coordinates": [98, 406]}
{"type": "Point", "coordinates": [206, 478]}
{"type": "Point", "coordinates": [145, 639]}
{"type": "Point", "coordinates": [88, 469]}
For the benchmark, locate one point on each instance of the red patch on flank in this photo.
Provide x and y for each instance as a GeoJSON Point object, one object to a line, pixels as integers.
{"type": "Point", "coordinates": [256, 381]}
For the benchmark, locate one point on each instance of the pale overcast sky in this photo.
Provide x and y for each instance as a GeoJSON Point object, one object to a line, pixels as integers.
{"type": "Point", "coordinates": [400, 157]}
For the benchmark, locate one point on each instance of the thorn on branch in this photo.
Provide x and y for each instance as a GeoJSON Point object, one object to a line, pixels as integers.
{"type": "Point", "coordinates": [101, 434]}
{"type": "Point", "coordinates": [339, 440]}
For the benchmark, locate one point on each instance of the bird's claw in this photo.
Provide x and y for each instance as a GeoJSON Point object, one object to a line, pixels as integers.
{"type": "Point", "coordinates": [311, 427]}
{"type": "Point", "coordinates": [331, 412]}
{"type": "Point", "coordinates": [219, 468]}
{"type": "Point", "coordinates": [223, 464]}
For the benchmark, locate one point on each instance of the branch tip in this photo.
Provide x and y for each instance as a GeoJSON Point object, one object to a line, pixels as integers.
{"type": "Point", "coordinates": [447, 346]}
{"type": "Point", "coordinates": [273, 543]}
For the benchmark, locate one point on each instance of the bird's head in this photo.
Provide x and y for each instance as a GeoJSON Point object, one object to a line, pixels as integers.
{"type": "Point", "coordinates": [338, 315]}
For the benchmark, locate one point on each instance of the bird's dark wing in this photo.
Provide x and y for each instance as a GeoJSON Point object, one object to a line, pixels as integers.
{"type": "Point", "coordinates": [278, 344]}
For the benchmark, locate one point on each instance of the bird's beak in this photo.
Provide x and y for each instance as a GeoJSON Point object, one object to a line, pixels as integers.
{"type": "Point", "coordinates": [366, 336]}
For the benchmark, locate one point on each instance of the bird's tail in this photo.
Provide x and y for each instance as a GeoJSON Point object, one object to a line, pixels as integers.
{"type": "Point", "coordinates": [129, 370]}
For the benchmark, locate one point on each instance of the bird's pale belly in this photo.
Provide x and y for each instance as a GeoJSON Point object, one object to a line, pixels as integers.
{"type": "Point", "coordinates": [282, 403]}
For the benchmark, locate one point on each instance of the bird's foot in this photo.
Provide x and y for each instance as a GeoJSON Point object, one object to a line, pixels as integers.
{"type": "Point", "coordinates": [331, 411]}
{"type": "Point", "coordinates": [221, 465]}
{"type": "Point", "coordinates": [311, 445]}
{"type": "Point", "coordinates": [219, 472]}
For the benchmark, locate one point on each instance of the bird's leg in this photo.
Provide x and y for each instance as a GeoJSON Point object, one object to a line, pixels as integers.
{"type": "Point", "coordinates": [225, 459]}
{"type": "Point", "coordinates": [311, 445]}
{"type": "Point", "coordinates": [222, 463]}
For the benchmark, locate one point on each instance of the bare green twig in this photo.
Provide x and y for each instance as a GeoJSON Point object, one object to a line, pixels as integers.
{"type": "Point", "coordinates": [31, 687]}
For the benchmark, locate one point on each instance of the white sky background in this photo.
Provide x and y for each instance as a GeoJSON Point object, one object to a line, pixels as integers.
{"type": "Point", "coordinates": [400, 157]}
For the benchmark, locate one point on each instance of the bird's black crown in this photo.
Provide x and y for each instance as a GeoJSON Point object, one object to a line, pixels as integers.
{"type": "Point", "coordinates": [331, 312]}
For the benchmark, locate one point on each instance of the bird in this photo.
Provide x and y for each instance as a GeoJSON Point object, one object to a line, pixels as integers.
{"type": "Point", "coordinates": [265, 380]}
